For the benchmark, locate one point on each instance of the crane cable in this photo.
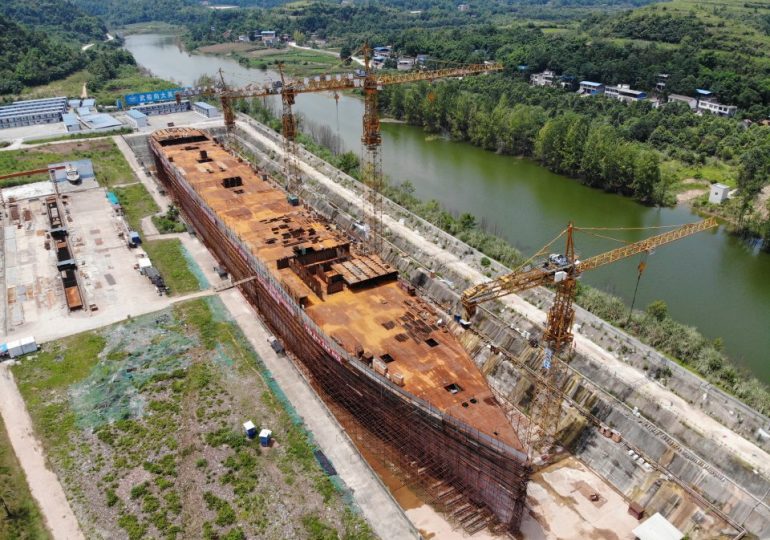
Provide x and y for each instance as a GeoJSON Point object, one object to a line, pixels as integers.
{"type": "Point", "coordinates": [541, 251]}
{"type": "Point", "coordinates": [627, 228]}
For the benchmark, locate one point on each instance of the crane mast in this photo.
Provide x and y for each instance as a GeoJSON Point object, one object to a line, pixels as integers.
{"type": "Point", "coordinates": [370, 83]}
{"type": "Point", "coordinates": [563, 272]}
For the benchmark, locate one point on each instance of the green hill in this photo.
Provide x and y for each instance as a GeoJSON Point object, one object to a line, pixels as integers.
{"type": "Point", "coordinates": [30, 57]}
{"type": "Point", "coordinates": [61, 18]}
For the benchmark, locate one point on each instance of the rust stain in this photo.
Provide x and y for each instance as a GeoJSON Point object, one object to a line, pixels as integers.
{"type": "Point", "coordinates": [355, 298]}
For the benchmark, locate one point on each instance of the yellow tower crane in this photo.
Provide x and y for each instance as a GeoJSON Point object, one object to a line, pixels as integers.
{"type": "Point", "coordinates": [367, 80]}
{"type": "Point", "coordinates": [562, 271]}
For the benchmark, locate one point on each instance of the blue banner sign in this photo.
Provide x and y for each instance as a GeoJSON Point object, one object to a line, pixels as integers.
{"type": "Point", "coordinates": [152, 97]}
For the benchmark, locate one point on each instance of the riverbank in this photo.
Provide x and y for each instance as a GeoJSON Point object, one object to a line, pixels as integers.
{"type": "Point", "coordinates": [713, 281]}
{"type": "Point", "coordinates": [653, 326]}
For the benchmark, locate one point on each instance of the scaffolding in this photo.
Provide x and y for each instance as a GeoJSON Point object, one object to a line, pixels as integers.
{"type": "Point", "coordinates": [476, 479]}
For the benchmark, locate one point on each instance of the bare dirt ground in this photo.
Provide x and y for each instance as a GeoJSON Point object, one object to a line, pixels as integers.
{"type": "Point", "coordinates": [560, 497]}
{"type": "Point", "coordinates": [224, 48]}
{"type": "Point", "coordinates": [696, 188]}
{"type": "Point", "coordinates": [43, 483]}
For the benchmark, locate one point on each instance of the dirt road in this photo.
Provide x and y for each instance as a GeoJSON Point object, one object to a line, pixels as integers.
{"type": "Point", "coordinates": [43, 483]}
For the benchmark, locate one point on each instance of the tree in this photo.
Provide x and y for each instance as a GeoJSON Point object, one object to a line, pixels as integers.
{"type": "Point", "coordinates": [658, 310]}
{"type": "Point", "coordinates": [467, 221]}
{"type": "Point", "coordinates": [646, 175]}
{"type": "Point", "coordinates": [345, 53]}
{"type": "Point", "coordinates": [347, 162]}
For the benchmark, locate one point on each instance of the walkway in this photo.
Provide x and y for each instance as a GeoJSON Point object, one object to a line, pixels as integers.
{"type": "Point", "coordinates": [742, 448]}
{"type": "Point", "coordinates": [379, 509]}
{"type": "Point", "coordinates": [43, 483]}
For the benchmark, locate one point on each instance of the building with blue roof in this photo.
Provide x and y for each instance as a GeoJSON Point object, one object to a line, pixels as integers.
{"type": "Point", "coordinates": [100, 122]}
{"type": "Point", "coordinates": [71, 122]}
{"type": "Point", "coordinates": [33, 111]}
{"type": "Point", "coordinates": [590, 88]}
{"type": "Point", "coordinates": [205, 109]}
{"type": "Point", "coordinates": [137, 118]}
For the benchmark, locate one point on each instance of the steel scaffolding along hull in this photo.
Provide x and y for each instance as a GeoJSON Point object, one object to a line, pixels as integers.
{"type": "Point", "coordinates": [378, 354]}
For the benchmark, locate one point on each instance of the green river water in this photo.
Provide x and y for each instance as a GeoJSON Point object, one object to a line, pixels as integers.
{"type": "Point", "coordinates": [713, 281]}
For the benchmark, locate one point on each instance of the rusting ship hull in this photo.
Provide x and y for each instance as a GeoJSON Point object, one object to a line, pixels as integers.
{"type": "Point", "coordinates": [454, 456]}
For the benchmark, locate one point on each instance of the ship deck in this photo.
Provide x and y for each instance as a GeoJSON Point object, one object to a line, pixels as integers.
{"type": "Point", "coordinates": [355, 298]}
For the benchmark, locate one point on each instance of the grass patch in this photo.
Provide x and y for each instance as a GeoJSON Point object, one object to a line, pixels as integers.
{"type": "Point", "coordinates": [129, 79]}
{"type": "Point", "coordinates": [152, 27]}
{"type": "Point", "coordinates": [137, 203]}
{"type": "Point", "coordinates": [170, 364]}
{"type": "Point", "coordinates": [167, 257]}
{"type": "Point", "coordinates": [79, 136]}
{"type": "Point", "coordinates": [24, 522]}
{"type": "Point", "coordinates": [170, 222]}
{"type": "Point", "coordinates": [317, 529]}
{"type": "Point", "coordinates": [713, 171]}
{"type": "Point", "coordinates": [110, 167]}
{"type": "Point", "coordinates": [43, 381]}
{"type": "Point", "coordinates": [299, 63]}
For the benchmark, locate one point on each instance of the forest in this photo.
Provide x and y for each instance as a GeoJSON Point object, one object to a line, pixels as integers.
{"type": "Point", "coordinates": [60, 18]}
{"type": "Point", "coordinates": [29, 57]}
{"type": "Point", "coordinates": [605, 143]}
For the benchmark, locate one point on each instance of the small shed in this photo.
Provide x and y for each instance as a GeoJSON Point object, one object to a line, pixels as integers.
{"type": "Point", "coordinates": [207, 110]}
{"type": "Point", "coordinates": [137, 118]}
{"type": "Point", "coordinates": [15, 348]}
{"type": "Point", "coordinates": [71, 122]}
{"type": "Point", "coordinates": [28, 345]}
{"type": "Point", "coordinates": [21, 346]}
{"type": "Point", "coordinates": [144, 264]}
{"type": "Point", "coordinates": [264, 437]}
{"type": "Point", "coordinates": [718, 193]}
{"type": "Point", "coordinates": [657, 528]}
{"type": "Point", "coordinates": [250, 429]}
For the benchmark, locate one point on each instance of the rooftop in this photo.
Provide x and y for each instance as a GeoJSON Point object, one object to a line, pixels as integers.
{"type": "Point", "coordinates": [34, 106]}
{"type": "Point", "coordinates": [657, 528]}
{"type": "Point", "coordinates": [134, 113]}
{"type": "Point", "coordinates": [70, 119]}
{"type": "Point", "coordinates": [100, 121]}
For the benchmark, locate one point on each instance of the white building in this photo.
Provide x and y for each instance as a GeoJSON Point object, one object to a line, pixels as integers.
{"type": "Point", "coordinates": [546, 78]}
{"type": "Point", "coordinates": [625, 93]}
{"type": "Point", "coordinates": [267, 36]}
{"type": "Point", "coordinates": [718, 193]}
{"type": "Point", "coordinates": [687, 100]}
{"type": "Point", "coordinates": [590, 88]}
{"type": "Point", "coordinates": [717, 108]}
{"type": "Point", "coordinates": [205, 109]}
{"type": "Point", "coordinates": [657, 528]}
{"type": "Point", "coordinates": [405, 63]}
{"type": "Point", "coordinates": [137, 118]}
